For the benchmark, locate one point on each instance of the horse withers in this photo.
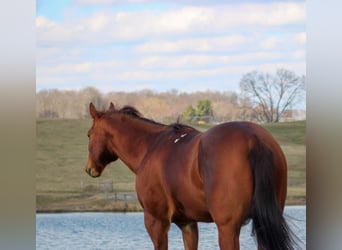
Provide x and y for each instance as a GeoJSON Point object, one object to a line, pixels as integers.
{"type": "Point", "coordinates": [229, 174]}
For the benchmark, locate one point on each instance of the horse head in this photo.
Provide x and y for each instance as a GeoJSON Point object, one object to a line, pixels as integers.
{"type": "Point", "coordinates": [100, 153]}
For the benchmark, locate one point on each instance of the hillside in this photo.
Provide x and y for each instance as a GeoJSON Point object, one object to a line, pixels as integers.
{"type": "Point", "coordinates": [62, 184]}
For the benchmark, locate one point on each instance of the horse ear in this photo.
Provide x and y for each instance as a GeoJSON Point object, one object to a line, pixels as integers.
{"type": "Point", "coordinates": [111, 106]}
{"type": "Point", "coordinates": [92, 111]}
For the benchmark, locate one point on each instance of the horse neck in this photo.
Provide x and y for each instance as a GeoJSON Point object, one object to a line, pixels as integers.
{"type": "Point", "coordinates": [131, 139]}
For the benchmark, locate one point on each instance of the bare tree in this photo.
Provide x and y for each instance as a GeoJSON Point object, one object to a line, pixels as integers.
{"type": "Point", "coordinates": [272, 95]}
{"type": "Point", "coordinates": [87, 95]}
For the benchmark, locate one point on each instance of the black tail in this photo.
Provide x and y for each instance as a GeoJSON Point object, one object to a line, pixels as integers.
{"type": "Point", "coordinates": [270, 227]}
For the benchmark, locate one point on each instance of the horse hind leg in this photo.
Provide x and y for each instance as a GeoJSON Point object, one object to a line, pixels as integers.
{"type": "Point", "coordinates": [228, 234]}
{"type": "Point", "coordinates": [190, 235]}
{"type": "Point", "coordinates": [229, 212]}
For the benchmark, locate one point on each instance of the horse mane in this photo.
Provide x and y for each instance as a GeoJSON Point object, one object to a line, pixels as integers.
{"type": "Point", "coordinates": [129, 110]}
{"type": "Point", "coordinates": [133, 112]}
{"type": "Point", "coordinates": [177, 126]}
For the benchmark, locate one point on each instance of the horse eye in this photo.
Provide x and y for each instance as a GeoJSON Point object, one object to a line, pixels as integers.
{"type": "Point", "coordinates": [88, 135]}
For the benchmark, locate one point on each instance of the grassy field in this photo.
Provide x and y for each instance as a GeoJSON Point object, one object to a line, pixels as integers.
{"type": "Point", "coordinates": [62, 184]}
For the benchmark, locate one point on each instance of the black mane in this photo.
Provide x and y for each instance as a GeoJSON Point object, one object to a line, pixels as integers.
{"type": "Point", "coordinates": [180, 127]}
{"type": "Point", "coordinates": [133, 112]}
{"type": "Point", "coordinates": [129, 110]}
{"type": "Point", "coordinates": [177, 126]}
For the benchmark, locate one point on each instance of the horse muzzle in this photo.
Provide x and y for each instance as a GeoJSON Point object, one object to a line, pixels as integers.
{"type": "Point", "coordinates": [90, 170]}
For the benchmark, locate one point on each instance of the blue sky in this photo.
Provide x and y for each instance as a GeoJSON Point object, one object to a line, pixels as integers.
{"type": "Point", "coordinates": [118, 45]}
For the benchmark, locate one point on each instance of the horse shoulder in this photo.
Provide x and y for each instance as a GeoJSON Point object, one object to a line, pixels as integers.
{"type": "Point", "coordinates": [151, 190]}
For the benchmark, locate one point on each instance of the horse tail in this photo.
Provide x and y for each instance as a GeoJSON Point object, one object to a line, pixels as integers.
{"type": "Point", "coordinates": [269, 225]}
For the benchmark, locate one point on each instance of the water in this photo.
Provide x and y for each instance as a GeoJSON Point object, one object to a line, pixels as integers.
{"type": "Point", "coordinates": [124, 231]}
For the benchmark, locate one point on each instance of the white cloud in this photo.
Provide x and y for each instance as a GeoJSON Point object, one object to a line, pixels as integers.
{"type": "Point", "coordinates": [300, 38]}
{"type": "Point", "coordinates": [225, 70]}
{"type": "Point", "coordinates": [269, 43]}
{"type": "Point", "coordinates": [205, 61]}
{"type": "Point", "coordinates": [297, 67]}
{"type": "Point", "coordinates": [43, 22]}
{"type": "Point", "coordinates": [137, 78]}
{"type": "Point", "coordinates": [299, 54]}
{"type": "Point", "coordinates": [98, 22]}
{"type": "Point", "coordinates": [196, 44]}
{"type": "Point", "coordinates": [82, 68]}
{"type": "Point", "coordinates": [277, 13]}
{"type": "Point", "coordinates": [52, 32]}
{"type": "Point", "coordinates": [147, 48]}
{"type": "Point", "coordinates": [183, 21]}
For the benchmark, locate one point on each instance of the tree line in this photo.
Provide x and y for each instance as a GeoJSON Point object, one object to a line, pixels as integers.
{"type": "Point", "coordinates": [165, 106]}
{"type": "Point", "coordinates": [263, 98]}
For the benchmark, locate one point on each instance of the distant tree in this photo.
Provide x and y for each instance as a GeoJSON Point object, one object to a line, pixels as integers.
{"type": "Point", "coordinates": [189, 113]}
{"type": "Point", "coordinates": [47, 103]}
{"type": "Point", "coordinates": [153, 107]}
{"type": "Point", "coordinates": [246, 112]}
{"type": "Point", "coordinates": [87, 95]}
{"type": "Point", "coordinates": [163, 107]}
{"type": "Point", "coordinates": [272, 95]}
{"type": "Point", "coordinates": [204, 108]}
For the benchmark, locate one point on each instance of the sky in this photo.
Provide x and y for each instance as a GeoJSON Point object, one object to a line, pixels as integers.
{"type": "Point", "coordinates": [131, 45]}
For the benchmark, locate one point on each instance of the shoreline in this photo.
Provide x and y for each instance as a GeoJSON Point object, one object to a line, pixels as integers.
{"type": "Point", "coordinates": [129, 207]}
{"type": "Point", "coordinates": [109, 211]}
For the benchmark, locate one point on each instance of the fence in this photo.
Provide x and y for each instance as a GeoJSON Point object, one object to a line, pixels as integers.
{"type": "Point", "coordinates": [106, 187]}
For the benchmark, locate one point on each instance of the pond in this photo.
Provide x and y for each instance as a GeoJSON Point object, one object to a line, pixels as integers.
{"type": "Point", "coordinates": [127, 231]}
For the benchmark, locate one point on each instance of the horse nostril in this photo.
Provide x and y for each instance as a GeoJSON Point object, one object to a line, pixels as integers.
{"type": "Point", "coordinates": [88, 171]}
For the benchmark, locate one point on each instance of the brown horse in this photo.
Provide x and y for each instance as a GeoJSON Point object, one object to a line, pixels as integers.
{"type": "Point", "coordinates": [231, 173]}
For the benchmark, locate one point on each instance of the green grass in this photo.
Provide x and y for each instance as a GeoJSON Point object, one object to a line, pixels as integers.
{"type": "Point", "coordinates": [292, 138]}
{"type": "Point", "coordinates": [288, 132]}
{"type": "Point", "coordinates": [62, 184]}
